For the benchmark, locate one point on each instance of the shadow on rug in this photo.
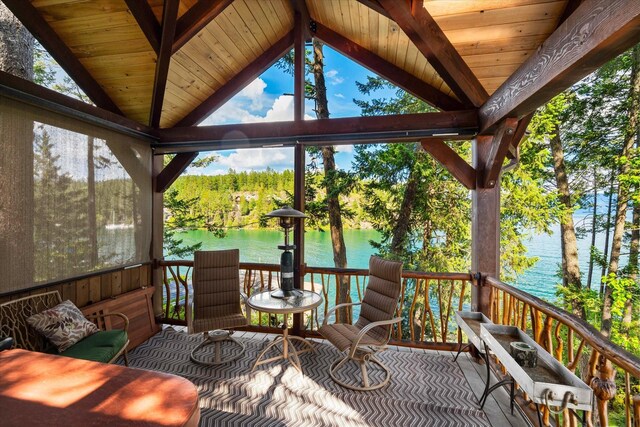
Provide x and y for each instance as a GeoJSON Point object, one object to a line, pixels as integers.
{"type": "Point", "coordinates": [425, 390]}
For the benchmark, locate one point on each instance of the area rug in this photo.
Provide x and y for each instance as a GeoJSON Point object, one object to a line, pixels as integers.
{"type": "Point", "coordinates": [425, 389]}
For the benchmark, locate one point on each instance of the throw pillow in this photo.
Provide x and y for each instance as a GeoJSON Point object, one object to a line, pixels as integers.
{"type": "Point", "coordinates": [63, 325]}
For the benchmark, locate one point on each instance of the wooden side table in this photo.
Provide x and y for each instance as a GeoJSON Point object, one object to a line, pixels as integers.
{"type": "Point", "coordinates": [265, 302]}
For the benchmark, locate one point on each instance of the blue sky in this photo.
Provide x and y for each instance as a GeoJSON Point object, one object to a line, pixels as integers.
{"type": "Point", "coordinates": [264, 99]}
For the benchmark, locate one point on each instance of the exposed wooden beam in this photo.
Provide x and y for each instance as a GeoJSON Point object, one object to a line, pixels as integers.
{"type": "Point", "coordinates": [571, 7]}
{"type": "Point", "coordinates": [147, 22]}
{"type": "Point", "coordinates": [502, 140]}
{"type": "Point", "coordinates": [299, 65]}
{"type": "Point", "coordinates": [238, 82]}
{"type": "Point", "coordinates": [375, 5]}
{"type": "Point", "coordinates": [425, 33]}
{"type": "Point", "coordinates": [172, 171]}
{"type": "Point", "coordinates": [519, 135]}
{"type": "Point", "coordinates": [300, 7]}
{"type": "Point", "coordinates": [196, 18]}
{"type": "Point", "coordinates": [34, 94]}
{"type": "Point", "coordinates": [596, 32]}
{"type": "Point", "coordinates": [389, 71]}
{"type": "Point", "coordinates": [404, 127]}
{"type": "Point", "coordinates": [41, 30]}
{"type": "Point", "coordinates": [169, 19]}
{"type": "Point", "coordinates": [456, 165]}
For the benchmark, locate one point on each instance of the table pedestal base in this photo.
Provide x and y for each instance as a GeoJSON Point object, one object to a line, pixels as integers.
{"type": "Point", "coordinates": [288, 352]}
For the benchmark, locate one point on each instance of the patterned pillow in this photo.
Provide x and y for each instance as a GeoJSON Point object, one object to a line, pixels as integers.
{"type": "Point", "coordinates": [63, 325]}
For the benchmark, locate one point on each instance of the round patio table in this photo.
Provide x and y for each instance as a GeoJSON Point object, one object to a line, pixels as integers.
{"type": "Point", "coordinates": [264, 302]}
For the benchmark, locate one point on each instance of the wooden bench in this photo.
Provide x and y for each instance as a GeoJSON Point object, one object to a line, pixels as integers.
{"type": "Point", "coordinates": [103, 346]}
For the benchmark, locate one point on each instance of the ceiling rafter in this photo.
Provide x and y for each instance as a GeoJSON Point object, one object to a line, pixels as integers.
{"type": "Point", "coordinates": [238, 82]}
{"type": "Point", "coordinates": [195, 19]}
{"type": "Point", "coordinates": [431, 41]}
{"type": "Point", "coordinates": [172, 171]}
{"type": "Point", "coordinates": [147, 22]}
{"type": "Point", "coordinates": [451, 161]}
{"type": "Point", "coordinates": [169, 19]}
{"type": "Point", "coordinates": [595, 32]}
{"type": "Point", "coordinates": [389, 71]}
{"type": "Point", "coordinates": [502, 140]}
{"type": "Point", "coordinates": [41, 30]}
{"type": "Point", "coordinates": [375, 5]}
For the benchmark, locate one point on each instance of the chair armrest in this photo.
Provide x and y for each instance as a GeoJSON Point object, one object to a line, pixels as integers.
{"type": "Point", "coordinates": [345, 304]}
{"type": "Point", "coordinates": [122, 316]}
{"type": "Point", "coordinates": [372, 325]}
{"type": "Point", "coordinates": [6, 343]}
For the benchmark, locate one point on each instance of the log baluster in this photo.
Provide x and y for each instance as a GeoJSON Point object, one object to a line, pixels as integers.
{"type": "Point", "coordinates": [604, 388]}
{"type": "Point", "coordinates": [636, 410]}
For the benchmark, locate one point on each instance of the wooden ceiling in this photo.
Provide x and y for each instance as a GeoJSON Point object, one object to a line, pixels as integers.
{"type": "Point", "coordinates": [217, 47]}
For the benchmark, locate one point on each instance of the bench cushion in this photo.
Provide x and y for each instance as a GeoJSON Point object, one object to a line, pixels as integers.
{"type": "Point", "coordinates": [99, 347]}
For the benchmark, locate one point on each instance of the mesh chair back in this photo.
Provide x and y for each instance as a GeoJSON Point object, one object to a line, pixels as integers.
{"type": "Point", "coordinates": [381, 296]}
{"type": "Point", "coordinates": [216, 284]}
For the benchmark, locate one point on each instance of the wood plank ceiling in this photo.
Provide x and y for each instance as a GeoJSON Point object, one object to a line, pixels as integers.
{"type": "Point", "coordinates": [493, 37]}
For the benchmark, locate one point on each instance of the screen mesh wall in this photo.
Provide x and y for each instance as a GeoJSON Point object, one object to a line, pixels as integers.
{"type": "Point", "coordinates": [74, 198]}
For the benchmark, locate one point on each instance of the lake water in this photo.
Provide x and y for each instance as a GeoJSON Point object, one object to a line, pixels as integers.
{"type": "Point", "coordinates": [260, 246]}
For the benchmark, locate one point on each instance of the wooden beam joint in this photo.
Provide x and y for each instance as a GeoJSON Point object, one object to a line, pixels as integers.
{"type": "Point", "coordinates": [500, 147]}
{"type": "Point", "coordinates": [172, 171]}
{"type": "Point", "coordinates": [450, 160]}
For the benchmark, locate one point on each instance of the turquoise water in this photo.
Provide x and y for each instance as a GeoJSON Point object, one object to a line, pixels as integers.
{"type": "Point", "coordinates": [260, 246]}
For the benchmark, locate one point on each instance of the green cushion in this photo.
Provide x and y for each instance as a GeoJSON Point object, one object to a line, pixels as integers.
{"type": "Point", "coordinates": [99, 347]}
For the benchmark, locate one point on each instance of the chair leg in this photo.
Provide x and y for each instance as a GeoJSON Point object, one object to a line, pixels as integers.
{"type": "Point", "coordinates": [217, 339]}
{"type": "Point", "coordinates": [126, 358]}
{"type": "Point", "coordinates": [362, 360]}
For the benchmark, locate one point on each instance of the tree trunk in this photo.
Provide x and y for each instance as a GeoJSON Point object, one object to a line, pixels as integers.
{"type": "Point", "coordinates": [401, 228]}
{"type": "Point", "coordinates": [571, 268]}
{"type": "Point", "coordinates": [333, 201]}
{"type": "Point", "coordinates": [634, 251]}
{"type": "Point", "coordinates": [623, 189]}
{"type": "Point", "coordinates": [607, 235]}
{"type": "Point", "coordinates": [16, 163]}
{"type": "Point", "coordinates": [91, 203]}
{"type": "Point", "coordinates": [593, 228]}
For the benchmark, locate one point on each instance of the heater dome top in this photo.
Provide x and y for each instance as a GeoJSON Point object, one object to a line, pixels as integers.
{"type": "Point", "coordinates": [286, 212]}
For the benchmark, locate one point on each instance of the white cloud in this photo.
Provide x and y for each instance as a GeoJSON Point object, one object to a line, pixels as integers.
{"type": "Point", "coordinates": [339, 95]}
{"type": "Point", "coordinates": [255, 93]}
{"type": "Point", "coordinates": [258, 159]}
{"type": "Point", "coordinates": [344, 148]}
{"type": "Point", "coordinates": [332, 76]}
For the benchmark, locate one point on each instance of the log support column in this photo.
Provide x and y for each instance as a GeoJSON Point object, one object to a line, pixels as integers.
{"type": "Point", "coordinates": [485, 227]}
{"type": "Point", "coordinates": [157, 229]}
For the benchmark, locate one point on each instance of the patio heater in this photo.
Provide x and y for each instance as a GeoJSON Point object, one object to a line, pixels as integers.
{"type": "Point", "coordinates": [287, 217]}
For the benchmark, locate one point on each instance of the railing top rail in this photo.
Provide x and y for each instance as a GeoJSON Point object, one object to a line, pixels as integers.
{"type": "Point", "coordinates": [408, 274]}
{"type": "Point", "coordinates": [616, 354]}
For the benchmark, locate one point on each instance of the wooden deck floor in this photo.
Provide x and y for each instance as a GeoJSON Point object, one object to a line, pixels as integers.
{"type": "Point", "coordinates": [497, 406]}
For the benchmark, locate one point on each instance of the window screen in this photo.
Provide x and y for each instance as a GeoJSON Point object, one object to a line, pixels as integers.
{"type": "Point", "coordinates": [74, 198]}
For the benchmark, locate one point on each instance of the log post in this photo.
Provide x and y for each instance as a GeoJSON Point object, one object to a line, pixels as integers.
{"type": "Point", "coordinates": [485, 227]}
{"type": "Point", "coordinates": [157, 228]}
{"type": "Point", "coordinates": [636, 410]}
{"type": "Point", "coordinates": [604, 388]}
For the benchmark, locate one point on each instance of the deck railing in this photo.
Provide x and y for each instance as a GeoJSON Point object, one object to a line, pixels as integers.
{"type": "Point", "coordinates": [428, 302]}
{"type": "Point", "coordinates": [427, 306]}
{"type": "Point", "coordinates": [580, 347]}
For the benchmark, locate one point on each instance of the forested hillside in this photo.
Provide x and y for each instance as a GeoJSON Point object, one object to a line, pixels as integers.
{"type": "Point", "coordinates": [241, 199]}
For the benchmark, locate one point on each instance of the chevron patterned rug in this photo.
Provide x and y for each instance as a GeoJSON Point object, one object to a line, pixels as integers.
{"type": "Point", "coordinates": [425, 389]}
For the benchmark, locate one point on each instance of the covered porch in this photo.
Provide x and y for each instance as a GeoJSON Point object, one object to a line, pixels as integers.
{"type": "Point", "coordinates": [155, 70]}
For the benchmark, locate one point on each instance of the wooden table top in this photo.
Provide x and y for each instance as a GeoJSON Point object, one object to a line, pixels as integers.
{"type": "Point", "coordinates": [47, 390]}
